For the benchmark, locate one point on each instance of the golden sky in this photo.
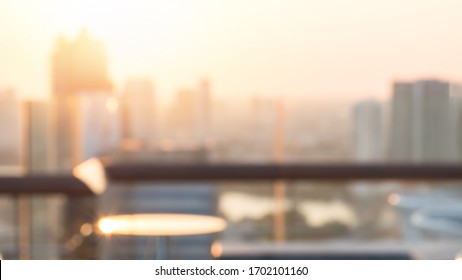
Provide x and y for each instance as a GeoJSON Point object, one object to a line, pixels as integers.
{"type": "Point", "coordinates": [333, 48]}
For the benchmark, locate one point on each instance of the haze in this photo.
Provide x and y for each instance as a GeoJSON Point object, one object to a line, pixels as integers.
{"type": "Point", "coordinates": [333, 48]}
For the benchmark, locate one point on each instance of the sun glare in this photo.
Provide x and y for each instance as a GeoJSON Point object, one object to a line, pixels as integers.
{"type": "Point", "coordinates": [106, 225]}
{"type": "Point", "coordinates": [161, 224]}
{"type": "Point", "coordinates": [102, 17]}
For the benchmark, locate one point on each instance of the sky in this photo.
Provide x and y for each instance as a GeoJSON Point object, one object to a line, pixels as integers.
{"type": "Point", "coordinates": [331, 48]}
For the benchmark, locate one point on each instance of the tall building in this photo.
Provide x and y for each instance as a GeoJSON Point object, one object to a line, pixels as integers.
{"type": "Point", "coordinates": [369, 146]}
{"type": "Point", "coordinates": [10, 162]}
{"type": "Point", "coordinates": [10, 127]}
{"type": "Point", "coordinates": [96, 124]}
{"type": "Point", "coordinates": [368, 131]}
{"type": "Point", "coordinates": [83, 126]}
{"type": "Point", "coordinates": [46, 211]}
{"type": "Point", "coordinates": [420, 127]}
{"type": "Point", "coordinates": [190, 114]}
{"type": "Point", "coordinates": [77, 66]}
{"type": "Point", "coordinates": [138, 112]}
{"type": "Point", "coordinates": [204, 110]}
{"type": "Point", "coordinates": [456, 117]}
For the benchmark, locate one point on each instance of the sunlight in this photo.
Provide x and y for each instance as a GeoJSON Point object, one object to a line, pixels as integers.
{"type": "Point", "coordinates": [106, 225]}
{"type": "Point", "coordinates": [99, 15]}
{"type": "Point", "coordinates": [123, 18]}
{"type": "Point", "coordinates": [161, 224]}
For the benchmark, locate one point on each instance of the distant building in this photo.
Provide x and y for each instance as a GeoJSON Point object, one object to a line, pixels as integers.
{"type": "Point", "coordinates": [77, 66]}
{"type": "Point", "coordinates": [369, 147]}
{"type": "Point", "coordinates": [85, 125]}
{"type": "Point", "coordinates": [37, 134]}
{"type": "Point", "coordinates": [420, 122]}
{"type": "Point", "coordinates": [423, 128]}
{"type": "Point", "coordinates": [10, 127]}
{"type": "Point", "coordinates": [46, 211]}
{"type": "Point", "coordinates": [368, 131]}
{"type": "Point", "coordinates": [138, 111]}
{"type": "Point", "coordinates": [456, 117]}
{"type": "Point", "coordinates": [190, 115]}
{"type": "Point", "coordinates": [97, 124]}
{"type": "Point", "coordinates": [10, 163]}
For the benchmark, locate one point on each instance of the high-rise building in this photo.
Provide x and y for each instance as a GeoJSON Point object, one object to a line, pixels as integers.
{"type": "Point", "coordinates": [83, 126]}
{"type": "Point", "coordinates": [456, 117]}
{"type": "Point", "coordinates": [137, 106]}
{"type": "Point", "coordinates": [46, 211]}
{"type": "Point", "coordinates": [368, 131]}
{"type": "Point", "coordinates": [204, 111]}
{"type": "Point", "coordinates": [190, 114]}
{"type": "Point", "coordinates": [10, 127]}
{"type": "Point", "coordinates": [369, 146]}
{"type": "Point", "coordinates": [77, 66]}
{"type": "Point", "coordinates": [96, 124]}
{"type": "Point", "coordinates": [422, 130]}
{"type": "Point", "coordinates": [10, 162]}
{"type": "Point", "coordinates": [401, 122]}
{"type": "Point", "coordinates": [420, 122]}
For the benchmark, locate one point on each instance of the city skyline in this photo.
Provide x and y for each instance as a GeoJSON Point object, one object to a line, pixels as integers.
{"type": "Point", "coordinates": [312, 49]}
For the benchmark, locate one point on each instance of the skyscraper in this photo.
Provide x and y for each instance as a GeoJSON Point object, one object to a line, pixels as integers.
{"type": "Point", "coordinates": [10, 127]}
{"type": "Point", "coordinates": [456, 117]}
{"type": "Point", "coordinates": [77, 66]}
{"type": "Point", "coordinates": [82, 101]}
{"type": "Point", "coordinates": [10, 162]}
{"type": "Point", "coordinates": [368, 131]}
{"type": "Point", "coordinates": [421, 130]}
{"type": "Point", "coordinates": [420, 122]}
{"type": "Point", "coordinates": [46, 211]}
{"type": "Point", "coordinates": [190, 114]}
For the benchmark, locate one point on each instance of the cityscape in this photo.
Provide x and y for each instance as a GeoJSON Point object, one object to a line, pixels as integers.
{"type": "Point", "coordinates": [416, 120]}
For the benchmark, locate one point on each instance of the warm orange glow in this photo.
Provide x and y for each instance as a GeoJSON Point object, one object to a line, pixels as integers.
{"type": "Point", "coordinates": [459, 256]}
{"type": "Point", "coordinates": [393, 199]}
{"type": "Point", "coordinates": [86, 229]}
{"type": "Point", "coordinates": [106, 226]}
{"type": "Point", "coordinates": [161, 224]}
{"type": "Point", "coordinates": [217, 249]}
{"type": "Point", "coordinates": [112, 105]}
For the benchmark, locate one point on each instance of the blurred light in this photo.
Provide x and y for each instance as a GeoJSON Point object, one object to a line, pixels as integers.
{"type": "Point", "coordinates": [1, 257]}
{"type": "Point", "coordinates": [91, 172]}
{"type": "Point", "coordinates": [393, 199]}
{"type": "Point", "coordinates": [112, 104]}
{"type": "Point", "coordinates": [106, 225]}
{"type": "Point", "coordinates": [74, 242]}
{"type": "Point", "coordinates": [86, 229]}
{"type": "Point", "coordinates": [161, 224]}
{"type": "Point", "coordinates": [459, 256]}
{"type": "Point", "coordinates": [216, 250]}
